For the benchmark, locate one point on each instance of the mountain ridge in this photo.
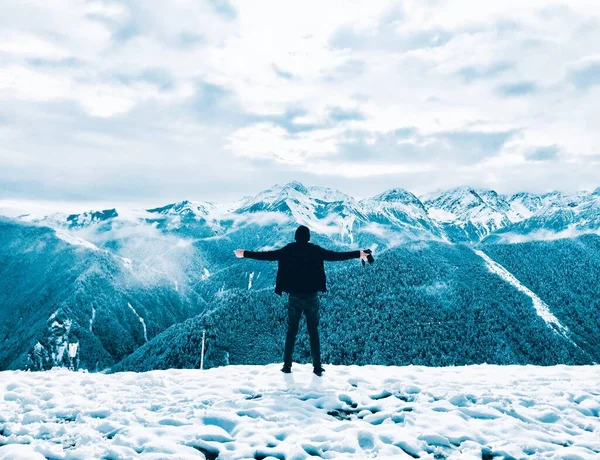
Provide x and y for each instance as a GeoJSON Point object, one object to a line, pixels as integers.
{"type": "Point", "coordinates": [459, 214]}
{"type": "Point", "coordinates": [139, 273]}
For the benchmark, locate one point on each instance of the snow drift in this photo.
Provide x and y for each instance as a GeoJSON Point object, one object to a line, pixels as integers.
{"type": "Point", "coordinates": [237, 412]}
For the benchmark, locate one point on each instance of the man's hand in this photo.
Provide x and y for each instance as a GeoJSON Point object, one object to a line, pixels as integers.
{"type": "Point", "coordinates": [239, 253]}
{"type": "Point", "coordinates": [363, 255]}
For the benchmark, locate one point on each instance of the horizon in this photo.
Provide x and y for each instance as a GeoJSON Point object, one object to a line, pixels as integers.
{"type": "Point", "coordinates": [125, 102]}
{"type": "Point", "coordinates": [22, 208]}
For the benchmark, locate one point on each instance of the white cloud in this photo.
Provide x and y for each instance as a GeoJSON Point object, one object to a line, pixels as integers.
{"type": "Point", "coordinates": [268, 141]}
{"type": "Point", "coordinates": [123, 88]}
{"type": "Point", "coordinates": [23, 83]}
{"type": "Point", "coordinates": [353, 170]}
{"type": "Point", "coordinates": [29, 45]}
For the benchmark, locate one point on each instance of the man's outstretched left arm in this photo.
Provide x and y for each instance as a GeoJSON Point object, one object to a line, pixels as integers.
{"type": "Point", "coordinates": [334, 256]}
{"type": "Point", "coordinates": [258, 255]}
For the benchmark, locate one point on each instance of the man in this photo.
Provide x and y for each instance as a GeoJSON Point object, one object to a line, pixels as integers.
{"type": "Point", "coordinates": [301, 274]}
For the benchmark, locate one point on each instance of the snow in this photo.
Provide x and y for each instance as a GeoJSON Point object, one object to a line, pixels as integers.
{"type": "Point", "coordinates": [60, 331]}
{"type": "Point", "coordinates": [92, 318]}
{"type": "Point", "coordinates": [397, 205]}
{"type": "Point", "coordinates": [60, 351]}
{"type": "Point", "coordinates": [73, 346]}
{"type": "Point", "coordinates": [518, 211]}
{"type": "Point", "coordinates": [441, 215]}
{"type": "Point", "coordinates": [240, 412]}
{"type": "Point", "coordinates": [19, 452]}
{"type": "Point", "coordinates": [328, 195]}
{"type": "Point", "coordinates": [484, 209]}
{"type": "Point", "coordinates": [181, 243]}
{"type": "Point", "coordinates": [127, 263]}
{"type": "Point", "coordinates": [330, 212]}
{"type": "Point", "coordinates": [540, 306]}
{"type": "Point", "coordinates": [143, 323]}
{"type": "Point", "coordinates": [199, 210]}
{"type": "Point", "coordinates": [478, 212]}
{"type": "Point", "coordinates": [74, 240]}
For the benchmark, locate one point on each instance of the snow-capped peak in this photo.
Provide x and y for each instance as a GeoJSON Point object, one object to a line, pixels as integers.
{"type": "Point", "coordinates": [283, 198]}
{"type": "Point", "coordinates": [553, 196]}
{"type": "Point", "coordinates": [555, 201]}
{"type": "Point", "coordinates": [493, 199]}
{"type": "Point", "coordinates": [399, 195]}
{"type": "Point", "coordinates": [458, 214]}
{"type": "Point", "coordinates": [91, 217]}
{"type": "Point", "coordinates": [328, 195]}
{"type": "Point", "coordinates": [456, 201]}
{"type": "Point", "coordinates": [464, 206]}
{"type": "Point", "coordinates": [523, 205]}
{"type": "Point", "coordinates": [185, 208]}
{"type": "Point", "coordinates": [531, 200]}
{"type": "Point", "coordinates": [297, 186]}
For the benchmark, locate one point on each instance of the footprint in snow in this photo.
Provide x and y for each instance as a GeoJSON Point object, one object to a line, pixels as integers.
{"type": "Point", "coordinates": [366, 440]}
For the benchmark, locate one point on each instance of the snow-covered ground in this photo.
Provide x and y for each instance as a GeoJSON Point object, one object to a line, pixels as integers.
{"type": "Point", "coordinates": [257, 412]}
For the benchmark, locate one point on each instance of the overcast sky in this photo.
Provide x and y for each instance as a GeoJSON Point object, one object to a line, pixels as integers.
{"type": "Point", "coordinates": [151, 102]}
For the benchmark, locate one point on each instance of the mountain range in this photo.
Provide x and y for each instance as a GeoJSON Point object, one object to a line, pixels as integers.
{"type": "Point", "coordinates": [118, 281]}
{"type": "Point", "coordinates": [462, 214]}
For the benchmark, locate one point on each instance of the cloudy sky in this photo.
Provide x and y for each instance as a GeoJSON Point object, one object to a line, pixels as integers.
{"type": "Point", "coordinates": [123, 101]}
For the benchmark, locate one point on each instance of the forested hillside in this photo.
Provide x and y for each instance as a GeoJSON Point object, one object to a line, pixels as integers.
{"type": "Point", "coordinates": [565, 274]}
{"type": "Point", "coordinates": [112, 280]}
{"type": "Point", "coordinates": [428, 303]}
{"type": "Point", "coordinates": [54, 292]}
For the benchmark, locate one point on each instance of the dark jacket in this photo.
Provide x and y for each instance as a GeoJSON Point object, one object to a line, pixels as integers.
{"type": "Point", "coordinates": [301, 269]}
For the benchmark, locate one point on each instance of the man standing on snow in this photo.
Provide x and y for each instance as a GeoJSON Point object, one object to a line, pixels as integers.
{"type": "Point", "coordinates": [301, 273]}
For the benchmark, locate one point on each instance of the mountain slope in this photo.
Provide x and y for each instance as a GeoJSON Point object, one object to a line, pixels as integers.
{"type": "Point", "coordinates": [54, 292]}
{"type": "Point", "coordinates": [564, 274]}
{"type": "Point", "coordinates": [559, 216]}
{"type": "Point", "coordinates": [434, 304]}
{"type": "Point", "coordinates": [398, 212]}
{"type": "Point", "coordinates": [387, 217]}
{"type": "Point", "coordinates": [131, 274]}
{"type": "Point", "coordinates": [467, 214]}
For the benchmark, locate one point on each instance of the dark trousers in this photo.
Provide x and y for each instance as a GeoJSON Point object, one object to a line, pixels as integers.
{"type": "Point", "coordinates": [310, 307]}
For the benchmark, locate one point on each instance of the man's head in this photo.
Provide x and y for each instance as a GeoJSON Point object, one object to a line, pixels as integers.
{"type": "Point", "coordinates": [302, 234]}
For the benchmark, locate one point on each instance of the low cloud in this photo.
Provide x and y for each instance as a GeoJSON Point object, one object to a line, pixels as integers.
{"type": "Point", "coordinates": [546, 235]}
